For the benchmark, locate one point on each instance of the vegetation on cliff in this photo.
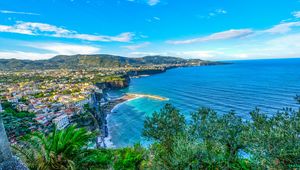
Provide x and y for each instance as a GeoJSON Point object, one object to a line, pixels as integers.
{"type": "Point", "coordinates": [66, 149]}
{"type": "Point", "coordinates": [206, 140]}
{"type": "Point", "coordinates": [17, 123]}
{"type": "Point", "coordinates": [212, 141]}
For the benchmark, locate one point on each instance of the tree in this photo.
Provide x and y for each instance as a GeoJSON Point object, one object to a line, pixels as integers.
{"type": "Point", "coordinates": [130, 158]}
{"type": "Point", "coordinates": [274, 140]}
{"type": "Point", "coordinates": [163, 126]}
{"type": "Point", "coordinates": [209, 141]}
{"type": "Point", "coordinates": [186, 154]}
{"type": "Point", "coordinates": [65, 149]}
{"type": "Point", "coordinates": [222, 138]}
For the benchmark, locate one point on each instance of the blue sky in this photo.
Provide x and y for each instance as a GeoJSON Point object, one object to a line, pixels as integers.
{"type": "Point", "coordinates": [206, 29]}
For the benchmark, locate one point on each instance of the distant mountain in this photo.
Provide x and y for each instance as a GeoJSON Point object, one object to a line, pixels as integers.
{"type": "Point", "coordinates": [94, 61]}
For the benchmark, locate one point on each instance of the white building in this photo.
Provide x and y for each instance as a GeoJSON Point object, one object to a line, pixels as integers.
{"type": "Point", "coordinates": [61, 122]}
{"type": "Point", "coordinates": [22, 107]}
{"type": "Point", "coordinates": [13, 100]}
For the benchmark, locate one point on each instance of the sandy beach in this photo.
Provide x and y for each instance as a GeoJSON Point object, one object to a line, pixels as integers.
{"type": "Point", "coordinates": [112, 105]}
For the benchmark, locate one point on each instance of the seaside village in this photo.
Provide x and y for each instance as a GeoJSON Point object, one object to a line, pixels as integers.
{"type": "Point", "coordinates": [49, 103]}
{"type": "Point", "coordinates": [44, 99]}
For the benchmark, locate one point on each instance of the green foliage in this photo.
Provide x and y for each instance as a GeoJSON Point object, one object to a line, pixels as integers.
{"type": "Point", "coordinates": [130, 158]}
{"type": "Point", "coordinates": [6, 105]}
{"type": "Point", "coordinates": [39, 95]}
{"type": "Point", "coordinates": [66, 92]}
{"type": "Point", "coordinates": [164, 126]}
{"type": "Point", "coordinates": [184, 154]}
{"type": "Point", "coordinates": [222, 138]}
{"type": "Point", "coordinates": [86, 119]}
{"type": "Point", "coordinates": [17, 123]}
{"type": "Point", "coordinates": [274, 141]}
{"type": "Point", "coordinates": [23, 100]}
{"type": "Point", "coordinates": [212, 141]}
{"type": "Point", "coordinates": [24, 114]}
{"type": "Point", "coordinates": [66, 149]}
{"type": "Point", "coordinates": [208, 141]}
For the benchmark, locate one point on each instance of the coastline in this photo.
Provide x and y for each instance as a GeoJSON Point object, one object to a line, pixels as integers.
{"type": "Point", "coordinates": [116, 103]}
{"type": "Point", "coordinates": [113, 104]}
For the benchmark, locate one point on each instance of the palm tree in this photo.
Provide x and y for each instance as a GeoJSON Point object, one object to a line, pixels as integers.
{"type": "Point", "coordinates": [62, 149]}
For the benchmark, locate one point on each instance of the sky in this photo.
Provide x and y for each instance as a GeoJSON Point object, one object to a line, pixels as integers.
{"type": "Point", "coordinates": [205, 29]}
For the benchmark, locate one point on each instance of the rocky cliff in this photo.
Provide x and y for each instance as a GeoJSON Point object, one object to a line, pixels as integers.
{"type": "Point", "coordinates": [123, 82]}
{"type": "Point", "coordinates": [7, 160]}
{"type": "Point", "coordinates": [146, 72]}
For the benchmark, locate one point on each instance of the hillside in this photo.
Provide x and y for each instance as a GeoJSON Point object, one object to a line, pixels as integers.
{"type": "Point", "coordinates": [95, 61]}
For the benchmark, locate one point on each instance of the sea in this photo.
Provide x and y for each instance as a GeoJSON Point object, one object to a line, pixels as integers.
{"type": "Point", "coordinates": [242, 86]}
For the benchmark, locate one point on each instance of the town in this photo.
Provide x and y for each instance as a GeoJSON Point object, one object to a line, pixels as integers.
{"type": "Point", "coordinates": [39, 100]}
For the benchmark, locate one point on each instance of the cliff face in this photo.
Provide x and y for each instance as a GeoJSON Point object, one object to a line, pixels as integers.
{"type": "Point", "coordinates": [117, 84]}
{"type": "Point", "coordinates": [100, 117]}
{"type": "Point", "coordinates": [146, 72]}
{"type": "Point", "coordinates": [7, 160]}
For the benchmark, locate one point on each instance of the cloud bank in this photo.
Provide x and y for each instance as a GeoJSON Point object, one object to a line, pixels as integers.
{"type": "Point", "coordinates": [34, 28]}
{"type": "Point", "coordinates": [48, 50]}
{"type": "Point", "coordinates": [17, 12]}
{"type": "Point", "coordinates": [233, 33]}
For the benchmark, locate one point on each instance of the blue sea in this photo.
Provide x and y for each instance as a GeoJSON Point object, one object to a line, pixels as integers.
{"type": "Point", "coordinates": [269, 85]}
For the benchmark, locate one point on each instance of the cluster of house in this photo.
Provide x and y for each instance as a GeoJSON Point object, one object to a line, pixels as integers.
{"type": "Point", "coordinates": [51, 103]}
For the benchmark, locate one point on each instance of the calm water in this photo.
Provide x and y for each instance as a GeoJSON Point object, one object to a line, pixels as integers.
{"type": "Point", "coordinates": [267, 84]}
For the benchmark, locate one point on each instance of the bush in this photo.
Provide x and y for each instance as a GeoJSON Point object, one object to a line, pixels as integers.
{"type": "Point", "coordinates": [130, 158]}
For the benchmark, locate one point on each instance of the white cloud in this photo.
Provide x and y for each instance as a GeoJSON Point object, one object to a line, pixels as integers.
{"type": "Point", "coordinates": [149, 2]}
{"type": "Point", "coordinates": [292, 40]}
{"type": "Point", "coordinates": [48, 50]}
{"type": "Point", "coordinates": [65, 49]}
{"type": "Point", "coordinates": [213, 13]}
{"type": "Point", "coordinates": [217, 12]}
{"type": "Point", "coordinates": [279, 46]}
{"type": "Point", "coordinates": [296, 14]}
{"type": "Point", "coordinates": [25, 55]}
{"type": "Point", "coordinates": [5, 28]}
{"type": "Point", "coordinates": [230, 34]}
{"type": "Point", "coordinates": [137, 46]}
{"type": "Point", "coordinates": [221, 11]}
{"type": "Point", "coordinates": [203, 54]}
{"type": "Point", "coordinates": [282, 47]}
{"type": "Point", "coordinates": [146, 53]}
{"type": "Point", "coordinates": [153, 19]}
{"type": "Point", "coordinates": [287, 46]}
{"type": "Point", "coordinates": [153, 2]}
{"type": "Point", "coordinates": [156, 18]}
{"type": "Point", "coordinates": [282, 27]}
{"type": "Point", "coordinates": [32, 28]}
{"type": "Point", "coordinates": [123, 37]}
{"type": "Point", "coordinates": [16, 12]}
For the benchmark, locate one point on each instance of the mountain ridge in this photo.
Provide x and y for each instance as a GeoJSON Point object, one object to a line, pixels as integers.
{"type": "Point", "coordinates": [80, 61]}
